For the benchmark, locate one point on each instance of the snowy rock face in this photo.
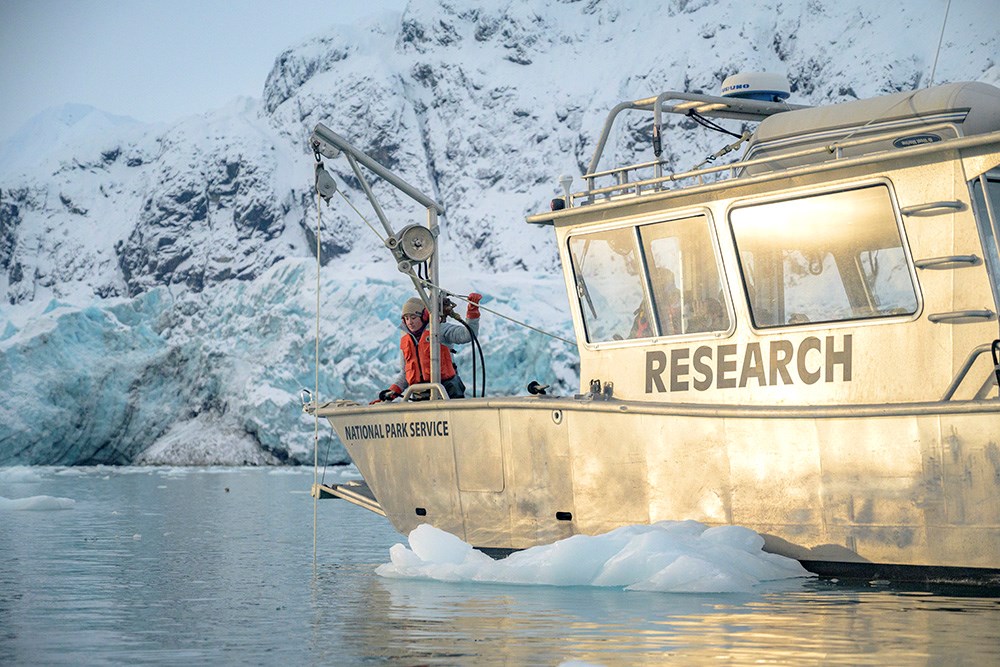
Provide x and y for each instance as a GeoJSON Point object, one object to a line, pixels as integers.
{"type": "Point", "coordinates": [216, 219]}
{"type": "Point", "coordinates": [157, 279]}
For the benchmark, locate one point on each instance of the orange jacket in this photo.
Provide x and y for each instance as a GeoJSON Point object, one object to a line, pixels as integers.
{"type": "Point", "coordinates": [414, 367]}
{"type": "Point", "coordinates": [418, 363]}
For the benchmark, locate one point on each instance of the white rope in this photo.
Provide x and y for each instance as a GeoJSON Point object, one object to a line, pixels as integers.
{"type": "Point", "coordinates": [940, 40]}
{"type": "Point", "coordinates": [316, 386]}
{"type": "Point", "coordinates": [428, 283]}
{"type": "Point", "coordinates": [370, 226]}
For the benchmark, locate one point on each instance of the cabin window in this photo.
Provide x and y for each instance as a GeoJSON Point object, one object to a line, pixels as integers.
{"type": "Point", "coordinates": [684, 277]}
{"type": "Point", "coordinates": [825, 258]}
{"type": "Point", "coordinates": [987, 210]}
{"type": "Point", "coordinates": [683, 293]}
{"type": "Point", "coordinates": [609, 284]}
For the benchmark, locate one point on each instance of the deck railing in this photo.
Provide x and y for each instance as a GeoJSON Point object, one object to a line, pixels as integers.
{"type": "Point", "coordinates": [623, 186]}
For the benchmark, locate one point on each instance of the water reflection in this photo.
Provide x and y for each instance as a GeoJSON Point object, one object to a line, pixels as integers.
{"type": "Point", "coordinates": [813, 622]}
{"type": "Point", "coordinates": [166, 567]}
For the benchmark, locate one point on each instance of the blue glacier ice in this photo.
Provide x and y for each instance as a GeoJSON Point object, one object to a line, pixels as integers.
{"type": "Point", "coordinates": [144, 379]}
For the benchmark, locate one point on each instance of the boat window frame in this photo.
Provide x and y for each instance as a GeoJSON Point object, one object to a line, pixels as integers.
{"type": "Point", "coordinates": [987, 220]}
{"type": "Point", "coordinates": [635, 223]}
{"type": "Point", "coordinates": [815, 191]}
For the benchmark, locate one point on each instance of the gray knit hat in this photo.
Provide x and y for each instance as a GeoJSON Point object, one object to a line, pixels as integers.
{"type": "Point", "coordinates": [413, 306]}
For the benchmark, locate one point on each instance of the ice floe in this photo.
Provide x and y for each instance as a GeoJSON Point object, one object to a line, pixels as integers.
{"type": "Point", "coordinates": [669, 556]}
{"type": "Point", "coordinates": [37, 503]}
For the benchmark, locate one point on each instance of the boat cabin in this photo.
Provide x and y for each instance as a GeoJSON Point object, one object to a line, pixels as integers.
{"type": "Point", "coordinates": [849, 258]}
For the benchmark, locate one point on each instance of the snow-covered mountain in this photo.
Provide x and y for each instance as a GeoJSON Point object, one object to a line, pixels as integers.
{"type": "Point", "coordinates": [157, 281]}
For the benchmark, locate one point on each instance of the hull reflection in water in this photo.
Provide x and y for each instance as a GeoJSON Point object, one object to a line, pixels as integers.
{"type": "Point", "coordinates": [809, 622]}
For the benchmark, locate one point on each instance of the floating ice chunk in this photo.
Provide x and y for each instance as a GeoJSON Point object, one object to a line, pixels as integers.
{"type": "Point", "coordinates": [19, 475]}
{"type": "Point", "coordinates": [690, 574]}
{"type": "Point", "coordinates": [72, 472]}
{"type": "Point", "coordinates": [670, 556]}
{"type": "Point", "coordinates": [37, 503]}
{"type": "Point", "coordinates": [436, 546]}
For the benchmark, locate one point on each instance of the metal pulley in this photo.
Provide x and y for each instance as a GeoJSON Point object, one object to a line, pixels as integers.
{"type": "Point", "coordinates": [415, 243]}
{"type": "Point", "coordinates": [325, 185]}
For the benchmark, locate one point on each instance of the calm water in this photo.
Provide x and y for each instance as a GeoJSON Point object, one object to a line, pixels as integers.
{"type": "Point", "coordinates": [166, 566]}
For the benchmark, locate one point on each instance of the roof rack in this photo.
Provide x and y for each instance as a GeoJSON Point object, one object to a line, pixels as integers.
{"type": "Point", "coordinates": [706, 105]}
{"type": "Point", "coordinates": [655, 187]}
{"type": "Point", "coordinates": [838, 131]}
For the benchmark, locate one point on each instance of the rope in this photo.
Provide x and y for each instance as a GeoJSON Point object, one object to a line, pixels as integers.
{"type": "Point", "coordinates": [940, 40]}
{"type": "Point", "coordinates": [370, 226]}
{"type": "Point", "coordinates": [316, 393]}
{"type": "Point", "coordinates": [833, 147]}
{"type": "Point", "coordinates": [427, 283]}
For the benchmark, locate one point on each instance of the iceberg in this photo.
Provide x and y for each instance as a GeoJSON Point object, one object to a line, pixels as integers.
{"type": "Point", "coordinates": [668, 556]}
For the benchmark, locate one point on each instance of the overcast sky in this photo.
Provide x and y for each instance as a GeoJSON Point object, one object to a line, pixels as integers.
{"type": "Point", "coordinates": [154, 60]}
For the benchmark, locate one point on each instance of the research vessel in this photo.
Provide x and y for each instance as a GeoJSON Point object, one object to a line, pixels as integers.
{"type": "Point", "coordinates": [802, 341]}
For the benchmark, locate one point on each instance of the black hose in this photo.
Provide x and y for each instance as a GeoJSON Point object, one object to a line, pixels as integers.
{"type": "Point", "coordinates": [482, 361]}
{"type": "Point", "coordinates": [476, 348]}
{"type": "Point", "coordinates": [704, 122]}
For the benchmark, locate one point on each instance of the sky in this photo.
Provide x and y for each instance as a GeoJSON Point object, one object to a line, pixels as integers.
{"type": "Point", "coordinates": [153, 60]}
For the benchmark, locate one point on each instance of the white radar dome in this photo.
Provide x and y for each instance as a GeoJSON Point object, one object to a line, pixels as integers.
{"type": "Point", "coordinates": [764, 86]}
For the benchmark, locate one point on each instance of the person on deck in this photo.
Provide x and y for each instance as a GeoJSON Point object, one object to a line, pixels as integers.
{"type": "Point", "coordinates": [415, 347]}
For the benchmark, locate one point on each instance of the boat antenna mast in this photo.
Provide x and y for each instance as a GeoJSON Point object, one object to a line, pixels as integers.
{"type": "Point", "coordinates": [413, 245]}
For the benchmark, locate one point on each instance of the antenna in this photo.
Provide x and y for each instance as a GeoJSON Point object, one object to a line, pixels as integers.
{"type": "Point", "coordinates": [940, 39]}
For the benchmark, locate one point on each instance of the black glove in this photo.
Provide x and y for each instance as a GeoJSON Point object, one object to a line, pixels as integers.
{"type": "Point", "coordinates": [387, 395]}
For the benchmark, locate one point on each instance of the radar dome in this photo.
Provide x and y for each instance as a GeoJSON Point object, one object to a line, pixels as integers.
{"type": "Point", "coordinates": [763, 86]}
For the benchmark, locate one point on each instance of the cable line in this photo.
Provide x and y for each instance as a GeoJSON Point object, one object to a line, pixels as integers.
{"type": "Point", "coordinates": [427, 283]}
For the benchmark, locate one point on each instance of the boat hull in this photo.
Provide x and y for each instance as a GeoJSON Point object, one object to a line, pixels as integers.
{"type": "Point", "coordinates": [897, 486]}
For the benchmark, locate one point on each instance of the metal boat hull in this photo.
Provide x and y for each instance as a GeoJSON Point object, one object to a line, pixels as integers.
{"type": "Point", "coordinates": [911, 485]}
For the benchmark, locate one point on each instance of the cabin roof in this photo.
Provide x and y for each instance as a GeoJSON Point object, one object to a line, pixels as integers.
{"type": "Point", "coordinates": [976, 107]}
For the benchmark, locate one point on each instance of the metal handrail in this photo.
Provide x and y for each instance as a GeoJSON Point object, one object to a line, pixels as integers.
{"type": "Point", "coordinates": [964, 370]}
{"type": "Point", "coordinates": [932, 208]}
{"type": "Point", "coordinates": [740, 165]}
{"type": "Point", "coordinates": [708, 105]}
{"type": "Point", "coordinates": [962, 316]}
{"type": "Point", "coordinates": [426, 386]}
{"type": "Point", "coordinates": [952, 144]}
{"type": "Point", "coordinates": [947, 262]}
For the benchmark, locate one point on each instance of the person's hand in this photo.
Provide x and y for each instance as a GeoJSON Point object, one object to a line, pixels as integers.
{"type": "Point", "coordinates": [472, 311]}
{"type": "Point", "coordinates": [387, 395]}
{"type": "Point", "coordinates": [447, 308]}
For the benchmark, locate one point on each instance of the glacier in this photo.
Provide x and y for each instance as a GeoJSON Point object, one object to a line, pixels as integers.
{"type": "Point", "coordinates": [157, 378]}
{"type": "Point", "coordinates": [159, 281]}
